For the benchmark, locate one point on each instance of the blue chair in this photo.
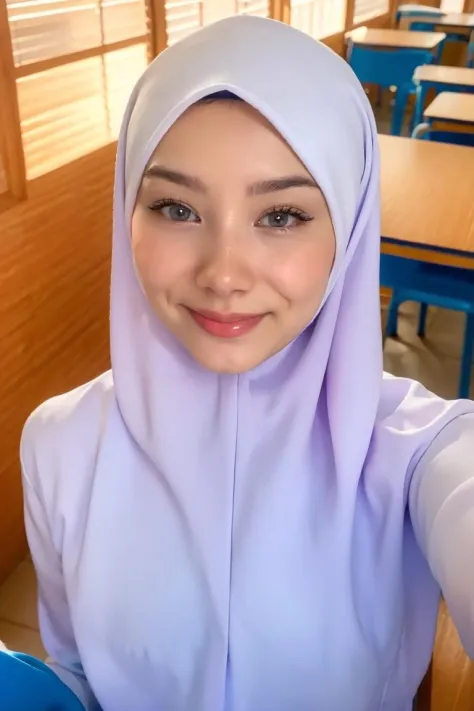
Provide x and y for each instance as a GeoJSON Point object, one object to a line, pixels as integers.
{"type": "Point", "coordinates": [424, 132]}
{"type": "Point", "coordinates": [470, 52]}
{"type": "Point", "coordinates": [387, 68]}
{"type": "Point", "coordinates": [430, 26]}
{"type": "Point", "coordinates": [443, 286]}
{"type": "Point", "coordinates": [447, 287]}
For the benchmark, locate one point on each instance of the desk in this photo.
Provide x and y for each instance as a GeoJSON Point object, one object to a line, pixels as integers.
{"type": "Point", "coordinates": [451, 107]}
{"type": "Point", "coordinates": [395, 39]}
{"type": "Point", "coordinates": [437, 76]}
{"type": "Point", "coordinates": [427, 201]}
{"type": "Point", "coordinates": [455, 21]}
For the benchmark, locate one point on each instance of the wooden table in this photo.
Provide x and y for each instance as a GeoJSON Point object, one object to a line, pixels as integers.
{"type": "Point", "coordinates": [427, 201]}
{"type": "Point", "coordinates": [395, 39]}
{"type": "Point", "coordinates": [436, 78]}
{"type": "Point", "coordinates": [455, 21]}
{"type": "Point", "coordinates": [436, 75]}
{"type": "Point", "coordinates": [451, 107]}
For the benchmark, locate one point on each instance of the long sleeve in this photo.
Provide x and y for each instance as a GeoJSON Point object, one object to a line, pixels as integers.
{"type": "Point", "coordinates": [442, 511]}
{"type": "Point", "coordinates": [55, 622]}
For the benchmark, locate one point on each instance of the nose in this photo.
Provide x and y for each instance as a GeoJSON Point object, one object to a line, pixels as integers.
{"type": "Point", "coordinates": [225, 269]}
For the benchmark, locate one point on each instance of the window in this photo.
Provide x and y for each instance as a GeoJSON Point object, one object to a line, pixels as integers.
{"type": "Point", "coordinates": [253, 7]}
{"type": "Point", "coordinates": [319, 18]}
{"type": "Point", "coordinates": [186, 16]}
{"type": "Point", "coordinates": [76, 62]}
{"type": "Point", "coordinates": [367, 9]}
{"type": "Point", "coordinates": [452, 5]}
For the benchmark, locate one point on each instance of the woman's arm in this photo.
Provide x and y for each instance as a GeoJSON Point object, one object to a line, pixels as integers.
{"type": "Point", "coordinates": [442, 510]}
{"type": "Point", "coordinates": [55, 623]}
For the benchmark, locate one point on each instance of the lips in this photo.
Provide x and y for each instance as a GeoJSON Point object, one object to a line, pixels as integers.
{"type": "Point", "coordinates": [225, 325]}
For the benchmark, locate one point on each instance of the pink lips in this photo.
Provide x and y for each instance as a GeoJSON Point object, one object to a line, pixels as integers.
{"type": "Point", "coordinates": [225, 325]}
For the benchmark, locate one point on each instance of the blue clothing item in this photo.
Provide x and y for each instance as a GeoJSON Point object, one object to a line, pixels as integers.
{"type": "Point", "coordinates": [26, 684]}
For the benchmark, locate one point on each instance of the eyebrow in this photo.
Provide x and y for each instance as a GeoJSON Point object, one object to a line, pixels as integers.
{"type": "Point", "coordinates": [259, 188]}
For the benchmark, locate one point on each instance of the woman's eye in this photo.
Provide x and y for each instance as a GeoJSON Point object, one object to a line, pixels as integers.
{"type": "Point", "coordinates": [278, 219]}
{"type": "Point", "coordinates": [175, 211]}
{"type": "Point", "coordinates": [283, 219]}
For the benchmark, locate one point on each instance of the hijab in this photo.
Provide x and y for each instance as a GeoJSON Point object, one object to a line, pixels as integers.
{"type": "Point", "coordinates": [285, 488]}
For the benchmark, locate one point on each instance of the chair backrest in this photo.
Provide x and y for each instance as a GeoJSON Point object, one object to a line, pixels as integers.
{"type": "Point", "coordinates": [456, 137]}
{"type": "Point", "coordinates": [386, 67]}
{"type": "Point", "coordinates": [422, 26]}
{"type": "Point", "coordinates": [470, 52]}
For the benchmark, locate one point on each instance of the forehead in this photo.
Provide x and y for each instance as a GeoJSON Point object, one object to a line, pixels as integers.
{"type": "Point", "coordinates": [226, 134]}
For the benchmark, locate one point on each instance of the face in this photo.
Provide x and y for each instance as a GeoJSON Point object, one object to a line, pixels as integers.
{"type": "Point", "coordinates": [232, 239]}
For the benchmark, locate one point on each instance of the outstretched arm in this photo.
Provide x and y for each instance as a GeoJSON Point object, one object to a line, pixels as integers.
{"type": "Point", "coordinates": [442, 511]}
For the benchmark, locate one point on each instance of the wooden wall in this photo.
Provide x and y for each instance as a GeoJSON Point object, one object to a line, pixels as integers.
{"type": "Point", "coordinates": [54, 284]}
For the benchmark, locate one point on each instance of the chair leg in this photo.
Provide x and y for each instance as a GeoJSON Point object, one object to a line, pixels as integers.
{"type": "Point", "coordinates": [422, 320]}
{"type": "Point", "coordinates": [398, 113]}
{"type": "Point", "coordinates": [391, 327]}
{"type": "Point", "coordinates": [467, 356]}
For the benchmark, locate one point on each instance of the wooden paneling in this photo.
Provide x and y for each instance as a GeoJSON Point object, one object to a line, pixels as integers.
{"type": "Point", "coordinates": [453, 671]}
{"type": "Point", "coordinates": [54, 284]}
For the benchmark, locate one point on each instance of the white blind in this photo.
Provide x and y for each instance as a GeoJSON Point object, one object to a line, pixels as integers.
{"type": "Point", "coordinates": [186, 16]}
{"type": "Point", "coordinates": [74, 107]}
{"type": "Point", "coordinates": [367, 9]}
{"type": "Point", "coordinates": [260, 8]}
{"type": "Point", "coordinates": [452, 5]}
{"type": "Point", "coordinates": [318, 18]}
{"type": "Point", "coordinates": [42, 29]}
{"type": "Point", "coordinates": [182, 18]}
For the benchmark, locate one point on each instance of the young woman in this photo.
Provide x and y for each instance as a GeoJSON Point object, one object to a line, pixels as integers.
{"type": "Point", "coordinates": [246, 514]}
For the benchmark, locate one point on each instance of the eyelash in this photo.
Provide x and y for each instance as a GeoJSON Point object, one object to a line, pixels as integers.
{"type": "Point", "coordinates": [295, 212]}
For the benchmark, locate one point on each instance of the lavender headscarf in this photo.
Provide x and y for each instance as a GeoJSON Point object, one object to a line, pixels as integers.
{"type": "Point", "coordinates": [285, 488]}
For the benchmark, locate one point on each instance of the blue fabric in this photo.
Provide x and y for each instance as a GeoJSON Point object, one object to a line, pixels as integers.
{"type": "Point", "coordinates": [26, 684]}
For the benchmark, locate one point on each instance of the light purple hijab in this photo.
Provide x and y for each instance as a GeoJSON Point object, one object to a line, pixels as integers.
{"type": "Point", "coordinates": [287, 575]}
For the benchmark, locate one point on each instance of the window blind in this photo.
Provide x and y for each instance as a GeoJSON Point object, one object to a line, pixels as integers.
{"type": "Point", "coordinates": [452, 5]}
{"type": "Point", "coordinates": [186, 16]}
{"type": "Point", "coordinates": [260, 8]}
{"type": "Point", "coordinates": [367, 9]}
{"type": "Point", "coordinates": [319, 18]}
{"type": "Point", "coordinates": [76, 63]}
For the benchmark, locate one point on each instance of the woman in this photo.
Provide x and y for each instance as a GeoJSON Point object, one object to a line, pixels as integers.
{"type": "Point", "coordinates": [246, 514]}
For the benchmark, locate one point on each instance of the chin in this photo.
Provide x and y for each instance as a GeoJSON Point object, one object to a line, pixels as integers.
{"type": "Point", "coordinates": [225, 362]}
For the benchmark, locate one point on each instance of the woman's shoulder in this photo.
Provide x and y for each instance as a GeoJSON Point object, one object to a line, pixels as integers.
{"type": "Point", "coordinates": [67, 430]}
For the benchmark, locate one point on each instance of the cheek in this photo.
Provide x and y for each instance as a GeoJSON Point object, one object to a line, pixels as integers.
{"type": "Point", "coordinates": [159, 262]}
{"type": "Point", "coordinates": [303, 274]}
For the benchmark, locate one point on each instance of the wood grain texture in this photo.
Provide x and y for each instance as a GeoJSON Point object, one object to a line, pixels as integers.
{"type": "Point", "coordinates": [452, 106]}
{"type": "Point", "coordinates": [54, 286]}
{"type": "Point", "coordinates": [453, 671]}
{"type": "Point", "coordinates": [372, 37]}
{"type": "Point", "coordinates": [460, 76]}
{"type": "Point", "coordinates": [427, 194]}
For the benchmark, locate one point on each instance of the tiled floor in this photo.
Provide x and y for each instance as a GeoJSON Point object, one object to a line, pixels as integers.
{"type": "Point", "coordinates": [436, 363]}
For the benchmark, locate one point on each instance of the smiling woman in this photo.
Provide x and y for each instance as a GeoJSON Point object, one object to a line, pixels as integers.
{"type": "Point", "coordinates": [284, 513]}
{"type": "Point", "coordinates": [217, 256]}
